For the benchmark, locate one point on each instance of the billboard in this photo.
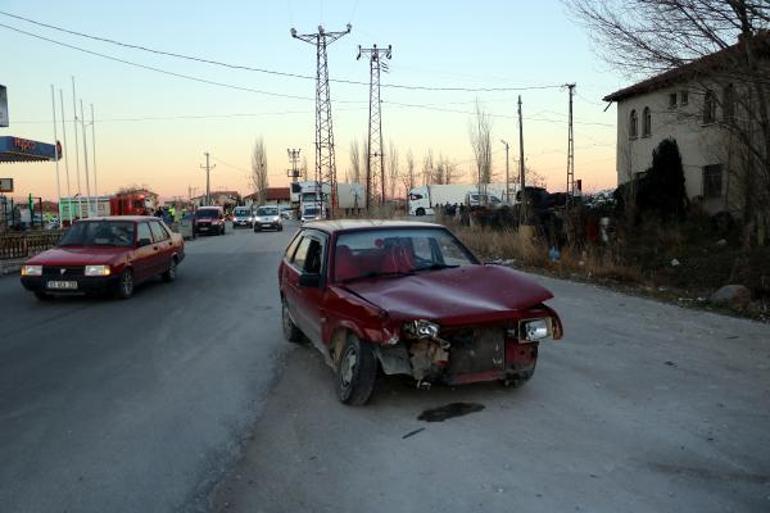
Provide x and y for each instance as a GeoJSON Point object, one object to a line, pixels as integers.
{"type": "Point", "coordinates": [3, 106]}
{"type": "Point", "coordinates": [6, 184]}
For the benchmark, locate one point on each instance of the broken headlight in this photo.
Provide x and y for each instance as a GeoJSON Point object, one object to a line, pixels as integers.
{"type": "Point", "coordinates": [535, 329]}
{"type": "Point", "coordinates": [421, 329]}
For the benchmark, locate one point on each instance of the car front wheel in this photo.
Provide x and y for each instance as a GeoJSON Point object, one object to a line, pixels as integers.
{"type": "Point", "coordinates": [290, 330]}
{"type": "Point", "coordinates": [356, 372]}
{"type": "Point", "coordinates": [170, 274]}
{"type": "Point", "coordinates": [125, 284]}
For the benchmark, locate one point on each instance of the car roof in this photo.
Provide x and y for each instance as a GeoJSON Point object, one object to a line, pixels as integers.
{"type": "Point", "coordinates": [344, 225]}
{"type": "Point", "coordinates": [216, 207]}
{"type": "Point", "coordinates": [119, 218]}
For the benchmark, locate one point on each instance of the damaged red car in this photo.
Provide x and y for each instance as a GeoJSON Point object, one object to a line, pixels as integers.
{"type": "Point", "coordinates": [409, 298]}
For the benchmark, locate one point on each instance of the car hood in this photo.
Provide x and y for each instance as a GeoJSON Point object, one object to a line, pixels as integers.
{"type": "Point", "coordinates": [78, 255]}
{"type": "Point", "coordinates": [464, 295]}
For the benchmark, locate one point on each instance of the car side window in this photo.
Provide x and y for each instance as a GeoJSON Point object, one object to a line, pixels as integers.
{"type": "Point", "coordinates": [292, 247]}
{"type": "Point", "coordinates": [314, 257]}
{"type": "Point", "coordinates": [144, 232]}
{"type": "Point", "coordinates": [300, 256]}
{"type": "Point", "coordinates": [158, 232]}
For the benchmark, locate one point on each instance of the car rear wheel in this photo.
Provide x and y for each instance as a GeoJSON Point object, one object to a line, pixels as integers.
{"type": "Point", "coordinates": [290, 330]}
{"type": "Point", "coordinates": [356, 372]}
{"type": "Point", "coordinates": [125, 284]}
{"type": "Point", "coordinates": [170, 274]}
{"type": "Point", "coordinates": [420, 211]}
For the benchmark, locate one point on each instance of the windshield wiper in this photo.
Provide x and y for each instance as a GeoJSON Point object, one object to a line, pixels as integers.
{"type": "Point", "coordinates": [377, 274]}
{"type": "Point", "coordinates": [437, 267]}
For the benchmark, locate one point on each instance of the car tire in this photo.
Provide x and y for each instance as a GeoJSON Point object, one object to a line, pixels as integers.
{"type": "Point", "coordinates": [170, 274]}
{"type": "Point", "coordinates": [290, 330]}
{"type": "Point", "coordinates": [419, 212]}
{"type": "Point", "coordinates": [519, 380]}
{"type": "Point", "coordinates": [125, 285]}
{"type": "Point", "coordinates": [356, 372]}
{"type": "Point", "coordinates": [42, 296]}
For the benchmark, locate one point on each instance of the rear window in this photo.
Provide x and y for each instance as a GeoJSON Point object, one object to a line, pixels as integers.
{"type": "Point", "coordinates": [207, 213]}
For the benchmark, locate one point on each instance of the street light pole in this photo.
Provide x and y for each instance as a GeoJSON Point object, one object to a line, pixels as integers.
{"type": "Point", "coordinates": [507, 174]}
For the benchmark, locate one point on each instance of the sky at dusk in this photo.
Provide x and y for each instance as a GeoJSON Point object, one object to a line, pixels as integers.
{"type": "Point", "coordinates": [152, 128]}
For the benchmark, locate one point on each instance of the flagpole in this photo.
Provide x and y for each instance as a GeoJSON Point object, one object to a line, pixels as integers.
{"type": "Point", "coordinates": [77, 150]}
{"type": "Point", "coordinates": [66, 157]}
{"type": "Point", "coordinates": [56, 156]}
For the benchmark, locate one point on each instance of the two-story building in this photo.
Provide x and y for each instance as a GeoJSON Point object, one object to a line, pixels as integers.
{"type": "Point", "coordinates": [702, 105]}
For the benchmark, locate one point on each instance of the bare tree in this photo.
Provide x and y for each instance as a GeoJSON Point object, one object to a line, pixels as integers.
{"type": "Point", "coordinates": [259, 176]}
{"type": "Point", "coordinates": [407, 178]}
{"type": "Point", "coordinates": [393, 170]}
{"type": "Point", "coordinates": [355, 161]}
{"type": "Point", "coordinates": [428, 172]}
{"type": "Point", "coordinates": [480, 135]}
{"type": "Point", "coordinates": [724, 43]}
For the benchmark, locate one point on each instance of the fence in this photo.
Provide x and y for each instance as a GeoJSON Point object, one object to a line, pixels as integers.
{"type": "Point", "coordinates": [26, 244]}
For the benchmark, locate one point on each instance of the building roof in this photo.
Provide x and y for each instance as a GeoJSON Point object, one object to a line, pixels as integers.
{"type": "Point", "coordinates": [343, 225]}
{"type": "Point", "coordinates": [722, 59]}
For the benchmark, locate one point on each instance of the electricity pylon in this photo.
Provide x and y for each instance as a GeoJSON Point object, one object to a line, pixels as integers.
{"type": "Point", "coordinates": [375, 160]}
{"type": "Point", "coordinates": [325, 166]}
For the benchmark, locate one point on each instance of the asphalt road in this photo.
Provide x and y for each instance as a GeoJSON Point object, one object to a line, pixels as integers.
{"type": "Point", "coordinates": [139, 405]}
{"type": "Point", "coordinates": [144, 405]}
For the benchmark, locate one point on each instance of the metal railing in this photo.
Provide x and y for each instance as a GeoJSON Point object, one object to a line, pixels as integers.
{"type": "Point", "coordinates": [24, 245]}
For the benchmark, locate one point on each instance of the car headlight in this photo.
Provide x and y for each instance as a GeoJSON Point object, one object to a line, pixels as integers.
{"type": "Point", "coordinates": [32, 270]}
{"type": "Point", "coordinates": [421, 329]}
{"type": "Point", "coordinates": [535, 329]}
{"type": "Point", "coordinates": [98, 270]}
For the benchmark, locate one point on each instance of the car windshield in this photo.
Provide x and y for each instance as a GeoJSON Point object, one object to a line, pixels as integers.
{"type": "Point", "coordinates": [207, 213]}
{"type": "Point", "coordinates": [244, 212]}
{"type": "Point", "coordinates": [267, 211]}
{"type": "Point", "coordinates": [99, 233]}
{"type": "Point", "coordinates": [310, 211]}
{"type": "Point", "coordinates": [397, 252]}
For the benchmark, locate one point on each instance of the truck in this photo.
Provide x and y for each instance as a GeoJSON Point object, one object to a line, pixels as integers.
{"type": "Point", "coordinates": [351, 196]}
{"type": "Point", "coordinates": [422, 200]}
{"type": "Point", "coordinates": [132, 204]}
{"type": "Point", "coordinates": [79, 207]}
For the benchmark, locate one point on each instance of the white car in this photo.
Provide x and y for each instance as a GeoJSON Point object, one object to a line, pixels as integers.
{"type": "Point", "coordinates": [268, 218]}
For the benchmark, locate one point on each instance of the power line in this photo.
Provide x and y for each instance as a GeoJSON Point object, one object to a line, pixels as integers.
{"type": "Point", "coordinates": [256, 69]}
{"type": "Point", "coordinates": [151, 68]}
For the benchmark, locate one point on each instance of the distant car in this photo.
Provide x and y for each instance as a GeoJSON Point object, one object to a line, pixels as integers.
{"type": "Point", "coordinates": [409, 298]}
{"type": "Point", "coordinates": [209, 220]}
{"type": "Point", "coordinates": [267, 218]}
{"type": "Point", "coordinates": [475, 200]}
{"type": "Point", "coordinates": [243, 216]}
{"type": "Point", "coordinates": [105, 255]}
{"type": "Point", "coordinates": [311, 214]}
{"type": "Point", "coordinates": [287, 213]}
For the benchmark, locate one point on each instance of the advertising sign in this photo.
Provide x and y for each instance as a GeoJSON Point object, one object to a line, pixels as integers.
{"type": "Point", "coordinates": [6, 184]}
{"type": "Point", "coordinates": [3, 106]}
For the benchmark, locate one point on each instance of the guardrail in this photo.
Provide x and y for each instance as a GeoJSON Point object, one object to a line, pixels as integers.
{"type": "Point", "coordinates": [27, 244]}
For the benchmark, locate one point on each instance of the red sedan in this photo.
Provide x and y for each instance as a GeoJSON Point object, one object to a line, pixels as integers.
{"type": "Point", "coordinates": [409, 298]}
{"type": "Point", "coordinates": [105, 255]}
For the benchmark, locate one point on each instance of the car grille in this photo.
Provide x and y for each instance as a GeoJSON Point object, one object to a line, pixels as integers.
{"type": "Point", "coordinates": [476, 350]}
{"type": "Point", "coordinates": [69, 272]}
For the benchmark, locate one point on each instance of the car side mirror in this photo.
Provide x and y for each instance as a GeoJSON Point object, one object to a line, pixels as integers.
{"type": "Point", "coordinates": [310, 280]}
{"type": "Point", "coordinates": [144, 242]}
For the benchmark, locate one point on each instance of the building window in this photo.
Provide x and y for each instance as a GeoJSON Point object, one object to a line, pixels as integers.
{"type": "Point", "coordinates": [646, 122]}
{"type": "Point", "coordinates": [633, 128]}
{"type": "Point", "coordinates": [728, 102]}
{"type": "Point", "coordinates": [672, 101]}
{"type": "Point", "coordinates": [684, 98]}
{"type": "Point", "coordinates": [712, 181]}
{"type": "Point", "coordinates": [709, 107]}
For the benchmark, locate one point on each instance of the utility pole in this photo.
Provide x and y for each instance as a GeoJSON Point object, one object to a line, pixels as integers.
{"type": "Point", "coordinates": [507, 173]}
{"type": "Point", "coordinates": [325, 166]}
{"type": "Point", "coordinates": [91, 212]}
{"type": "Point", "coordinates": [294, 172]}
{"type": "Point", "coordinates": [523, 206]}
{"type": "Point", "coordinates": [208, 167]}
{"type": "Point", "coordinates": [375, 160]}
{"type": "Point", "coordinates": [570, 150]}
{"type": "Point", "coordinates": [77, 150]}
{"type": "Point", "coordinates": [93, 153]}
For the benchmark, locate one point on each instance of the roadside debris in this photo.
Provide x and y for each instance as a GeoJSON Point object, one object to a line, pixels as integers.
{"type": "Point", "coordinates": [732, 295]}
{"type": "Point", "coordinates": [412, 433]}
{"type": "Point", "coordinates": [442, 413]}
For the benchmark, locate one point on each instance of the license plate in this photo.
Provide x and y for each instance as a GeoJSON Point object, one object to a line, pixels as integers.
{"type": "Point", "coordinates": [266, 225]}
{"type": "Point", "coordinates": [204, 228]}
{"type": "Point", "coordinates": [62, 285]}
